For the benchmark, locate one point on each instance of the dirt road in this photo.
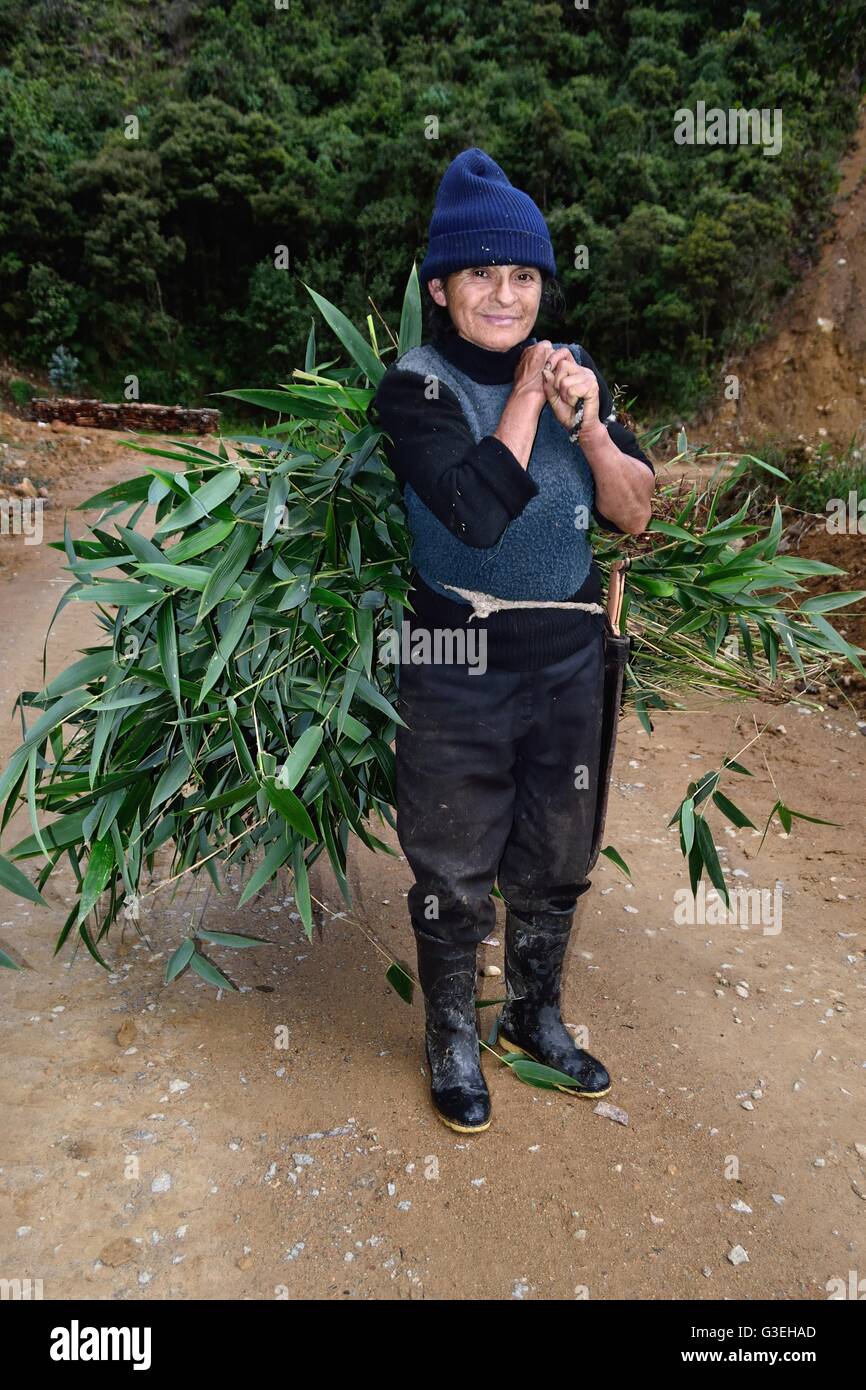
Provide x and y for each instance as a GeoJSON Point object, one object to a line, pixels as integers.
{"type": "Point", "coordinates": [166, 1142]}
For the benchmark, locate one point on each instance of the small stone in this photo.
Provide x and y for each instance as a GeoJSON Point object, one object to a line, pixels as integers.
{"type": "Point", "coordinates": [861, 1149]}
{"type": "Point", "coordinates": [611, 1112]}
{"type": "Point", "coordinates": [302, 1160]}
{"type": "Point", "coordinates": [706, 1272]}
{"type": "Point", "coordinates": [490, 972]}
{"type": "Point", "coordinates": [126, 1033]}
{"type": "Point", "coordinates": [778, 1198]}
{"type": "Point", "coordinates": [747, 1104]}
{"type": "Point", "coordinates": [741, 1206]}
{"type": "Point", "coordinates": [738, 1256]}
{"type": "Point", "coordinates": [175, 1087]}
{"type": "Point", "coordinates": [245, 1262]}
{"type": "Point", "coordinates": [162, 1183]}
{"type": "Point", "coordinates": [118, 1252]}
{"type": "Point", "coordinates": [819, 1163]}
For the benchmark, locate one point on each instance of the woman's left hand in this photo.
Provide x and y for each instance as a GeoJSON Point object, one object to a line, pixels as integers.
{"type": "Point", "coordinates": [565, 383]}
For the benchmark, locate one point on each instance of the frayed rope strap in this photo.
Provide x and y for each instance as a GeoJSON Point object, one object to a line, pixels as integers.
{"type": "Point", "coordinates": [485, 604]}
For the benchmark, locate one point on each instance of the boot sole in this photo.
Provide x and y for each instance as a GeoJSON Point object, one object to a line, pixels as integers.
{"type": "Point", "coordinates": [567, 1090]}
{"type": "Point", "coordinates": [461, 1129]}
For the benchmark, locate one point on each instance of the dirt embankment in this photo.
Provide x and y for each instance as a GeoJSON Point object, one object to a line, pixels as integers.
{"type": "Point", "coordinates": [806, 378]}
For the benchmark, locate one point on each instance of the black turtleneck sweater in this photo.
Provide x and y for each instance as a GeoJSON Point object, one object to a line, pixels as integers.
{"type": "Point", "coordinates": [476, 489]}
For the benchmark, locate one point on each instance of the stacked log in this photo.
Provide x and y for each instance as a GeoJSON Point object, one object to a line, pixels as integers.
{"type": "Point", "coordinates": [125, 415]}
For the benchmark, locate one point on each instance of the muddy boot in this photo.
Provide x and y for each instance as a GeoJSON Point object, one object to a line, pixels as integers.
{"type": "Point", "coordinates": [530, 1022]}
{"type": "Point", "coordinates": [458, 1089]}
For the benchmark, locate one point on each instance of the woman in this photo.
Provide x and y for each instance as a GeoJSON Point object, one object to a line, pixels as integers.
{"type": "Point", "coordinates": [497, 769]}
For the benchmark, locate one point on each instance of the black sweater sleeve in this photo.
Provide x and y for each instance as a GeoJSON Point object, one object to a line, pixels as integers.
{"type": "Point", "coordinates": [475, 489]}
{"type": "Point", "coordinates": [622, 437]}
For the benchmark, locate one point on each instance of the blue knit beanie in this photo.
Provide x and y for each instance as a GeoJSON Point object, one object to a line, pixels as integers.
{"type": "Point", "coordinates": [480, 218]}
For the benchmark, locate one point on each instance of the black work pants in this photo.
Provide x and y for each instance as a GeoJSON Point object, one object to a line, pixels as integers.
{"type": "Point", "coordinates": [497, 779]}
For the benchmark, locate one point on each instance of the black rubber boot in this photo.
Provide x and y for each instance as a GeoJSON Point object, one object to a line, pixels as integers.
{"type": "Point", "coordinates": [458, 1089]}
{"type": "Point", "coordinates": [530, 1022]}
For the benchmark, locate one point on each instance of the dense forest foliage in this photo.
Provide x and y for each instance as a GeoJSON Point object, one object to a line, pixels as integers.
{"type": "Point", "coordinates": [154, 154]}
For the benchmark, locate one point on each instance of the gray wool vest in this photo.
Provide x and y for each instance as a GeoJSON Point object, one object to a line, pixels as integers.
{"type": "Point", "coordinates": [544, 553]}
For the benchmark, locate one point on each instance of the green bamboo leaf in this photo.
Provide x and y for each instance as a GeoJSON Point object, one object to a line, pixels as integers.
{"type": "Point", "coordinates": [135, 490]}
{"type": "Point", "coordinates": [733, 813]}
{"type": "Point", "coordinates": [400, 981]}
{"type": "Point", "coordinates": [711, 858]}
{"type": "Point", "coordinates": [410, 317]}
{"type": "Point", "coordinates": [121, 592]}
{"type": "Point", "coordinates": [616, 858]}
{"type": "Point", "coordinates": [278, 491]}
{"type": "Point", "coordinates": [172, 779]}
{"type": "Point", "coordinates": [290, 807]}
{"type": "Point", "coordinates": [733, 766]}
{"type": "Point", "coordinates": [79, 674]}
{"type": "Point", "coordinates": [179, 960]}
{"type": "Point", "coordinates": [355, 549]}
{"type": "Point", "coordinates": [231, 563]}
{"type": "Point", "coordinates": [768, 467]}
{"type": "Point", "coordinates": [99, 866]}
{"type": "Point", "coordinates": [302, 888]}
{"type": "Point", "coordinates": [202, 502]}
{"type": "Point", "coordinates": [687, 823]}
{"type": "Point", "coordinates": [91, 946]}
{"type": "Point", "coordinates": [695, 865]}
{"type": "Point", "coordinates": [200, 541]}
{"type": "Point", "coordinates": [347, 333]}
{"type": "Point", "coordinates": [166, 637]}
{"type": "Point", "coordinates": [202, 966]}
{"type": "Point", "coordinates": [300, 757]}
{"type": "Point", "coordinates": [815, 820]}
{"type": "Point", "coordinates": [537, 1074]}
{"type": "Point", "coordinates": [274, 859]}
{"type": "Point", "coordinates": [371, 696]}
{"type": "Point", "coordinates": [226, 938]}
{"type": "Point", "coordinates": [8, 963]}
{"type": "Point", "coordinates": [706, 786]}
{"type": "Point", "coordinates": [823, 603]}
{"type": "Point", "coordinates": [267, 400]}
{"type": "Point", "coordinates": [669, 528]}
{"type": "Point", "coordinates": [12, 879]}
{"type": "Point", "coordinates": [189, 576]}
{"type": "Point", "coordinates": [236, 628]}
{"type": "Point", "coordinates": [31, 801]}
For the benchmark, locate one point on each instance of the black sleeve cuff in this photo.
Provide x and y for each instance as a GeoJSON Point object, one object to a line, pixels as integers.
{"type": "Point", "coordinates": [500, 471]}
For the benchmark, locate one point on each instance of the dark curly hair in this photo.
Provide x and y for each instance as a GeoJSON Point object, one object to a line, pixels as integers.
{"type": "Point", "coordinates": [436, 320]}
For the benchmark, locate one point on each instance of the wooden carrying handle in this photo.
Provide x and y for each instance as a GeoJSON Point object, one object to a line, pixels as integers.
{"type": "Point", "coordinates": [616, 591]}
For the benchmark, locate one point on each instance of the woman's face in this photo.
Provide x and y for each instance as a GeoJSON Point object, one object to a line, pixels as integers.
{"type": "Point", "coordinates": [494, 306]}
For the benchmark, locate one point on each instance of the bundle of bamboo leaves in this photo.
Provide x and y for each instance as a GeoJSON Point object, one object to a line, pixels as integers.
{"type": "Point", "coordinates": [236, 711]}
